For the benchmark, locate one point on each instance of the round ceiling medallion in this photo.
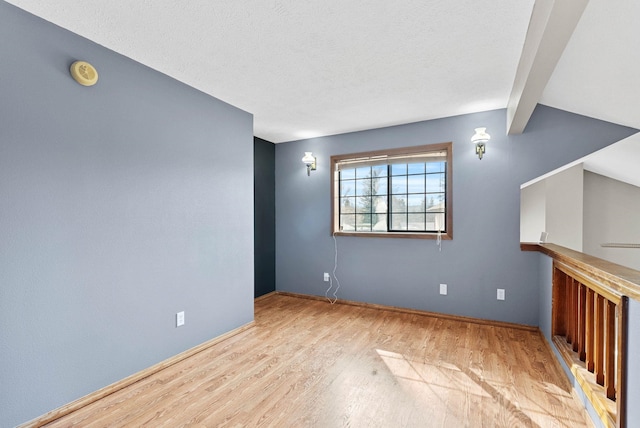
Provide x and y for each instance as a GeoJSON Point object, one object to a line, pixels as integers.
{"type": "Point", "coordinates": [84, 73]}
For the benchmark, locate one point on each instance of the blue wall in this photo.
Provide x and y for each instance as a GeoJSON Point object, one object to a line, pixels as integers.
{"type": "Point", "coordinates": [120, 205]}
{"type": "Point", "coordinates": [545, 290]}
{"type": "Point", "coordinates": [484, 254]}
{"type": "Point", "coordinates": [265, 216]}
{"type": "Point", "coordinates": [633, 364]}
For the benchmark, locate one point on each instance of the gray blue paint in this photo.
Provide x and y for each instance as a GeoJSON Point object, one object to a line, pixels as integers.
{"type": "Point", "coordinates": [545, 288]}
{"type": "Point", "coordinates": [633, 364]}
{"type": "Point", "coordinates": [265, 216]}
{"type": "Point", "coordinates": [115, 207]}
{"type": "Point", "coordinates": [484, 254]}
{"type": "Point", "coordinates": [120, 205]}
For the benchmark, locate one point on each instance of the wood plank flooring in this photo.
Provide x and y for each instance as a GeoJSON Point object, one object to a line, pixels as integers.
{"type": "Point", "coordinates": [308, 363]}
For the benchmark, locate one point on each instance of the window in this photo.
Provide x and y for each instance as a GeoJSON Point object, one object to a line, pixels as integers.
{"type": "Point", "coordinates": [393, 193]}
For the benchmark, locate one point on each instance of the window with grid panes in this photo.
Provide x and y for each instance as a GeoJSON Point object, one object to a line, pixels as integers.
{"type": "Point", "coordinates": [400, 192]}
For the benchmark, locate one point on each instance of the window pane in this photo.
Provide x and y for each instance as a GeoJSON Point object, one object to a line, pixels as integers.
{"type": "Point", "coordinates": [363, 172]}
{"type": "Point", "coordinates": [398, 204]}
{"type": "Point", "coordinates": [435, 166]}
{"type": "Point", "coordinates": [363, 204]}
{"type": "Point", "coordinates": [415, 168]}
{"type": "Point", "coordinates": [399, 184]}
{"type": "Point", "coordinates": [416, 222]}
{"type": "Point", "coordinates": [347, 222]}
{"type": "Point", "coordinates": [363, 222]}
{"type": "Point", "coordinates": [435, 202]}
{"type": "Point", "coordinates": [415, 184]}
{"type": "Point", "coordinates": [379, 171]}
{"type": "Point", "coordinates": [415, 203]}
{"type": "Point", "coordinates": [347, 205]}
{"type": "Point", "coordinates": [363, 187]}
{"type": "Point", "coordinates": [374, 220]}
{"type": "Point", "coordinates": [379, 204]}
{"type": "Point", "coordinates": [379, 222]}
{"type": "Point", "coordinates": [376, 187]}
{"type": "Point", "coordinates": [435, 183]}
{"type": "Point", "coordinates": [436, 222]}
{"type": "Point", "coordinates": [347, 174]}
{"type": "Point", "coordinates": [399, 169]}
{"type": "Point", "coordinates": [381, 188]}
{"type": "Point", "coordinates": [347, 187]}
{"type": "Point", "coordinates": [399, 221]}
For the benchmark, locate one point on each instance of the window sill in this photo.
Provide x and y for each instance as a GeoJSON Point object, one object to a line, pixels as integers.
{"type": "Point", "coordinates": [444, 236]}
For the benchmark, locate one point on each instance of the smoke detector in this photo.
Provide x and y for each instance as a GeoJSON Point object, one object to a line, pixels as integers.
{"type": "Point", "coordinates": [84, 73]}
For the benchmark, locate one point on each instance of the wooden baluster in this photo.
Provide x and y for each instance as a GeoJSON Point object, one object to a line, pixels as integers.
{"type": "Point", "coordinates": [574, 307]}
{"type": "Point", "coordinates": [559, 325]}
{"type": "Point", "coordinates": [582, 303]}
{"type": "Point", "coordinates": [589, 331]}
{"type": "Point", "coordinates": [567, 308]}
{"type": "Point", "coordinates": [610, 351]}
{"type": "Point", "coordinates": [595, 329]}
{"type": "Point", "coordinates": [569, 285]}
{"type": "Point", "coordinates": [599, 340]}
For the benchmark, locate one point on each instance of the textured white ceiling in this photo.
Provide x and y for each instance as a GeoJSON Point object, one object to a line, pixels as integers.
{"type": "Point", "coordinates": [599, 72]}
{"type": "Point", "coordinates": [618, 161]}
{"type": "Point", "coordinates": [311, 68]}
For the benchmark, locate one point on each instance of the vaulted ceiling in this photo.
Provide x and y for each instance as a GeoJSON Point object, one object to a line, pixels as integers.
{"type": "Point", "coordinates": [312, 68]}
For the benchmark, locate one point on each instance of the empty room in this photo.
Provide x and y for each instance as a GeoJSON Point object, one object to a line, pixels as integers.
{"type": "Point", "coordinates": [319, 214]}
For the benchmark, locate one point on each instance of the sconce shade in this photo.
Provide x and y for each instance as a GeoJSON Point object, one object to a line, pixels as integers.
{"type": "Point", "coordinates": [308, 158]}
{"type": "Point", "coordinates": [480, 136]}
{"type": "Point", "coordinates": [310, 161]}
{"type": "Point", "coordinates": [480, 139]}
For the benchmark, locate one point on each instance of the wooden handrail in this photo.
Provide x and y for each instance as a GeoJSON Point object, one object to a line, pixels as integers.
{"type": "Point", "coordinates": [589, 324]}
{"type": "Point", "coordinates": [617, 278]}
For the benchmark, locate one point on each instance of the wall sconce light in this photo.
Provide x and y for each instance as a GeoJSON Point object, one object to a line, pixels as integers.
{"type": "Point", "coordinates": [480, 139]}
{"type": "Point", "coordinates": [310, 161]}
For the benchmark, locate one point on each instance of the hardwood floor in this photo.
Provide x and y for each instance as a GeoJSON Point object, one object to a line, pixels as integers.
{"type": "Point", "coordinates": [308, 363]}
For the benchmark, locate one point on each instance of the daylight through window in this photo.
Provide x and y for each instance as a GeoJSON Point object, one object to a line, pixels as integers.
{"type": "Point", "coordinates": [401, 192]}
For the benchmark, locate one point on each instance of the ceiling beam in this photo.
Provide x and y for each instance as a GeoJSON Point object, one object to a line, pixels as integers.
{"type": "Point", "coordinates": [551, 26]}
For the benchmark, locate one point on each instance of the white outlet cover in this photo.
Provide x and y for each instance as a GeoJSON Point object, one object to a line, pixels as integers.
{"type": "Point", "coordinates": [180, 319]}
{"type": "Point", "coordinates": [443, 289]}
{"type": "Point", "coordinates": [326, 277]}
{"type": "Point", "coordinates": [500, 294]}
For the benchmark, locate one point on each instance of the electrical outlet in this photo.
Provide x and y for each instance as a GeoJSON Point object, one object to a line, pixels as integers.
{"type": "Point", "coordinates": [180, 319]}
{"type": "Point", "coordinates": [443, 289]}
{"type": "Point", "coordinates": [500, 293]}
{"type": "Point", "coordinates": [326, 277]}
